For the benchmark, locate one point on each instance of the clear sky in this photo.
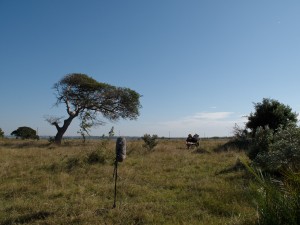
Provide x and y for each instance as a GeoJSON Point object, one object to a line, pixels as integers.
{"type": "Point", "coordinates": [199, 64]}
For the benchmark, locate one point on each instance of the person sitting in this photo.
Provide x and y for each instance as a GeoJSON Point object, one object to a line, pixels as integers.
{"type": "Point", "coordinates": [192, 140]}
{"type": "Point", "coordinates": [195, 138]}
{"type": "Point", "coordinates": [189, 138]}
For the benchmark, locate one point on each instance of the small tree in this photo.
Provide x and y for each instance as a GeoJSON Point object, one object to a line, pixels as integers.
{"type": "Point", "coordinates": [272, 114]}
{"type": "Point", "coordinates": [269, 116]}
{"type": "Point", "coordinates": [1, 133]}
{"type": "Point", "coordinates": [150, 142]}
{"type": "Point", "coordinates": [87, 98]}
{"type": "Point", "coordinates": [241, 138]}
{"type": "Point", "coordinates": [25, 133]}
{"type": "Point", "coordinates": [85, 125]}
{"type": "Point", "coordinates": [111, 133]}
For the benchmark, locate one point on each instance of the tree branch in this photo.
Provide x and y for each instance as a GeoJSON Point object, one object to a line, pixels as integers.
{"type": "Point", "coordinates": [56, 125]}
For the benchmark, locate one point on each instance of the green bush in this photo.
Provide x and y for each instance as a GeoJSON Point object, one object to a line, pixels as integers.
{"type": "Point", "coordinates": [1, 133]}
{"type": "Point", "coordinates": [241, 140]}
{"type": "Point", "coordinates": [96, 157]}
{"type": "Point", "coordinates": [149, 141]}
{"type": "Point", "coordinates": [270, 113]}
{"type": "Point", "coordinates": [280, 151]}
{"type": "Point", "coordinates": [260, 143]}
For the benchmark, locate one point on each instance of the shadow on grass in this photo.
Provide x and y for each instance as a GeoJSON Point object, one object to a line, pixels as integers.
{"type": "Point", "coordinates": [236, 167]}
{"type": "Point", "coordinates": [27, 218]}
{"type": "Point", "coordinates": [25, 144]}
{"type": "Point", "coordinates": [233, 145]}
{"type": "Point", "coordinates": [200, 151]}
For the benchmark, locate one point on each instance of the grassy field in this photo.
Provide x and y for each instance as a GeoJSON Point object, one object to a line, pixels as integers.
{"type": "Point", "coordinates": [73, 184]}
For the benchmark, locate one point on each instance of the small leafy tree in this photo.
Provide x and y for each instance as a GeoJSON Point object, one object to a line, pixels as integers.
{"type": "Point", "coordinates": [111, 133]}
{"type": "Point", "coordinates": [241, 139]}
{"type": "Point", "coordinates": [150, 141]}
{"type": "Point", "coordinates": [25, 133]}
{"type": "Point", "coordinates": [1, 133]}
{"type": "Point", "coordinates": [105, 141]}
{"type": "Point", "coordinates": [269, 117]}
{"type": "Point", "coordinates": [272, 114]}
{"type": "Point", "coordinates": [85, 125]}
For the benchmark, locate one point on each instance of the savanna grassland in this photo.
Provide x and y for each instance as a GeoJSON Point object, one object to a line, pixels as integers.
{"type": "Point", "coordinates": [41, 183]}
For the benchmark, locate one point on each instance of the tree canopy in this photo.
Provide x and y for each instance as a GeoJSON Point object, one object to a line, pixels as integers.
{"type": "Point", "coordinates": [270, 113]}
{"type": "Point", "coordinates": [25, 133]}
{"type": "Point", "coordinates": [87, 98]}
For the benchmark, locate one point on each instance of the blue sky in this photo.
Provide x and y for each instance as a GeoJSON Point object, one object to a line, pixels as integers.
{"type": "Point", "coordinates": [199, 64]}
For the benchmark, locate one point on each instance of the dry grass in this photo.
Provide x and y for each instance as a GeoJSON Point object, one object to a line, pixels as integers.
{"type": "Point", "coordinates": [46, 184]}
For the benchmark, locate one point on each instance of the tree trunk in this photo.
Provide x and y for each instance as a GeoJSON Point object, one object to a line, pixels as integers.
{"type": "Point", "coordinates": [61, 130]}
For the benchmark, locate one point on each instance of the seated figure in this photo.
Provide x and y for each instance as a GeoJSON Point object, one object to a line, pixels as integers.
{"type": "Point", "coordinates": [189, 138]}
{"type": "Point", "coordinates": [192, 140]}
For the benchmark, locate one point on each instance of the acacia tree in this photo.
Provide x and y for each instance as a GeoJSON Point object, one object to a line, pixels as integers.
{"type": "Point", "coordinates": [25, 133]}
{"type": "Point", "coordinates": [87, 98]}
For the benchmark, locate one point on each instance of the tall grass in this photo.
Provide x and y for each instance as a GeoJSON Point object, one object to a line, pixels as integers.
{"type": "Point", "coordinates": [73, 184]}
{"type": "Point", "coordinates": [278, 199]}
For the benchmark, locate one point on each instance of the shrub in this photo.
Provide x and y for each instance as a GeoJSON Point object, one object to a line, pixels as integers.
{"type": "Point", "coordinates": [96, 157]}
{"type": "Point", "coordinates": [260, 142]}
{"type": "Point", "coordinates": [71, 163]}
{"type": "Point", "coordinates": [149, 141]}
{"type": "Point", "coordinates": [1, 133]}
{"type": "Point", "coordinates": [241, 140]}
{"type": "Point", "coordinates": [280, 151]}
{"type": "Point", "coordinates": [51, 140]}
{"type": "Point", "coordinates": [273, 142]}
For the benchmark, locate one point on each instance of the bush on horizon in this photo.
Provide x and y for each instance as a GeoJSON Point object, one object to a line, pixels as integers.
{"type": "Point", "coordinates": [1, 133]}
